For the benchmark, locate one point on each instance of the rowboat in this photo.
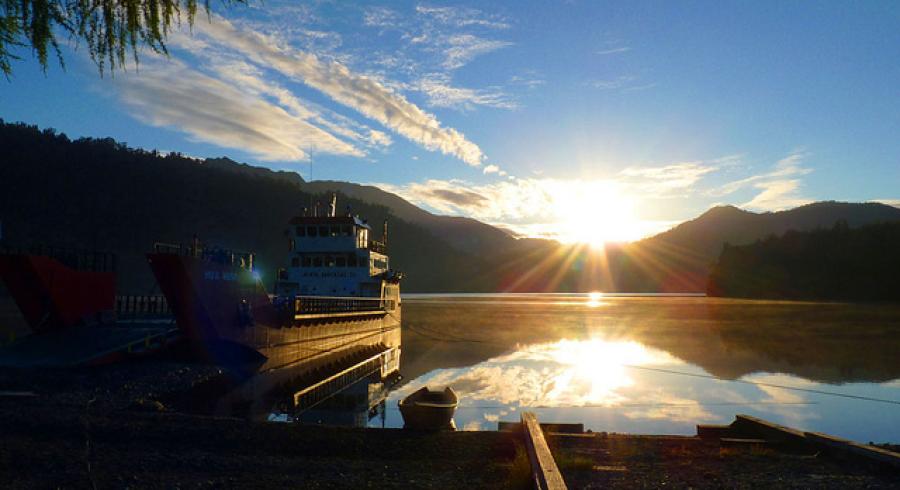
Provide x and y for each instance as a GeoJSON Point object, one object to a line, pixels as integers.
{"type": "Point", "coordinates": [427, 409]}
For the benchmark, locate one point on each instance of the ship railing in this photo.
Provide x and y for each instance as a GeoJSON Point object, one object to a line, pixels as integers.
{"type": "Point", "coordinates": [378, 247]}
{"type": "Point", "coordinates": [142, 307]}
{"type": "Point", "coordinates": [309, 305]}
{"type": "Point", "coordinates": [320, 391]}
{"type": "Point", "coordinates": [217, 255]}
{"type": "Point", "coordinates": [75, 258]}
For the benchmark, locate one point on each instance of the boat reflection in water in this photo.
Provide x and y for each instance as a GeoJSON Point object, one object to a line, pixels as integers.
{"type": "Point", "coordinates": [347, 390]}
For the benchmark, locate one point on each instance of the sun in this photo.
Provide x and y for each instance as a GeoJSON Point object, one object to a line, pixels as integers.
{"type": "Point", "coordinates": [593, 212]}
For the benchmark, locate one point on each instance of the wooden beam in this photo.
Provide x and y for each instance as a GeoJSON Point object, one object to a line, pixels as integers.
{"type": "Point", "coordinates": [854, 448]}
{"type": "Point", "coordinates": [746, 424]}
{"type": "Point", "coordinates": [543, 467]}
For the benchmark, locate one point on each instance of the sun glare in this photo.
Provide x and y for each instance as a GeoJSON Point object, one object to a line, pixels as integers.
{"type": "Point", "coordinates": [594, 213]}
{"type": "Point", "coordinates": [595, 299]}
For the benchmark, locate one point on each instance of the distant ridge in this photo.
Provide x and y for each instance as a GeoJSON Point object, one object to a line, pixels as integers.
{"type": "Point", "coordinates": [98, 193]}
{"type": "Point", "coordinates": [687, 251]}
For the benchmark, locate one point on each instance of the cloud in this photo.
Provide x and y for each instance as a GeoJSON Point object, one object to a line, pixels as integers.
{"type": "Point", "coordinates": [662, 181]}
{"type": "Point", "coordinates": [463, 48]}
{"type": "Point", "coordinates": [491, 169]}
{"type": "Point", "coordinates": [168, 93]}
{"type": "Point", "coordinates": [778, 188]}
{"type": "Point", "coordinates": [458, 198]}
{"type": "Point", "coordinates": [364, 94]}
{"type": "Point", "coordinates": [623, 83]}
{"type": "Point", "coordinates": [889, 202]}
{"type": "Point", "coordinates": [440, 93]}
{"type": "Point", "coordinates": [545, 208]}
{"type": "Point", "coordinates": [776, 195]}
{"type": "Point", "coordinates": [461, 17]}
{"type": "Point", "coordinates": [249, 80]}
{"type": "Point", "coordinates": [381, 17]}
{"type": "Point", "coordinates": [623, 49]}
{"type": "Point", "coordinates": [615, 83]}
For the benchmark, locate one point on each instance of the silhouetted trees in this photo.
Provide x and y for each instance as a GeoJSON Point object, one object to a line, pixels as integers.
{"type": "Point", "coordinates": [838, 263]}
{"type": "Point", "coordinates": [100, 194]}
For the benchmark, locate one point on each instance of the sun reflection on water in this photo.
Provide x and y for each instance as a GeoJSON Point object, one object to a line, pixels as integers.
{"type": "Point", "coordinates": [594, 299]}
{"type": "Point", "coordinates": [558, 374]}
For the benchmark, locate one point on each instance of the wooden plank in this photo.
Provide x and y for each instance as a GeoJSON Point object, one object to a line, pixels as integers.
{"type": "Point", "coordinates": [543, 467]}
{"type": "Point", "coordinates": [736, 442]}
{"type": "Point", "coordinates": [854, 448]}
{"type": "Point", "coordinates": [746, 424]}
{"type": "Point", "coordinates": [713, 431]}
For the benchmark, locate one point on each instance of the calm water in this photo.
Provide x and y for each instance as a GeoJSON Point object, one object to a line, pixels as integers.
{"type": "Point", "coordinates": [654, 364]}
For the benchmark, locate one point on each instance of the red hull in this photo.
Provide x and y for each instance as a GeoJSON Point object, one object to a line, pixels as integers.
{"type": "Point", "coordinates": [51, 295]}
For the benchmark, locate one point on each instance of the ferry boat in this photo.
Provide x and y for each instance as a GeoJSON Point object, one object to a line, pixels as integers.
{"type": "Point", "coordinates": [336, 299]}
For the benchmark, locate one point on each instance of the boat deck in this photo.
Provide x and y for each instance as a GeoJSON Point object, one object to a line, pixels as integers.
{"type": "Point", "coordinates": [86, 345]}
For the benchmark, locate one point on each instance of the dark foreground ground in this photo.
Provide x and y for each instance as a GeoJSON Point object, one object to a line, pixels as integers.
{"type": "Point", "coordinates": [121, 427]}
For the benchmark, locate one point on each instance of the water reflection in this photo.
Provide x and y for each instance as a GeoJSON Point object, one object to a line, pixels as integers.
{"type": "Point", "coordinates": [656, 365]}
{"type": "Point", "coordinates": [626, 364]}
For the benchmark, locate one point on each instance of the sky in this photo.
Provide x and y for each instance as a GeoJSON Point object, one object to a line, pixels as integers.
{"type": "Point", "coordinates": [582, 121]}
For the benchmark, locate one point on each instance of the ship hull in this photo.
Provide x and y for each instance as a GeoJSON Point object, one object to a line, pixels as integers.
{"type": "Point", "coordinates": [227, 316]}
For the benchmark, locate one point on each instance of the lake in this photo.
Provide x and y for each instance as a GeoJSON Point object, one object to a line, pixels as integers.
{"type": "Point", "coordinates": [654, 364]}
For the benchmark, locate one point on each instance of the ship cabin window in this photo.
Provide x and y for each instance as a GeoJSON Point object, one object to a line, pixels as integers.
{"type": "Point", "coordinates": [341, 261]}
{"type": "Point", "coordinates": [323, 231]}
{"type": "Point", "coordinates": [307, 261]}
{"type": "Point", "coordinates": [335, 230]}
{"type": "Point", "coordinates": [317, 262]}
{"type": "Point", "coordinates": [346, 230]}
{"type": "Point", "coordinates": [362, 237]}
{"type": "Point", "coordinates": [301, 231]}
{"type": "Point", "coordinates": [329, 261]}
{"type": "Point", "coordinates": [351, 260]}
{"type": "Point", "coordinates": [295, 262]}
{"type": "Point", "coordinates": [311, 231]}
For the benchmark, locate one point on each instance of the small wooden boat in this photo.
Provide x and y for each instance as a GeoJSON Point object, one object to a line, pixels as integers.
{"type": "Point", "coordinates": [429, 410]}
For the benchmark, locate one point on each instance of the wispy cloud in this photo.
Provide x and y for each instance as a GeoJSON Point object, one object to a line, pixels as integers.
{"type": "Point", "coordinates": [171, 94]}
{"type": "Point", "coordinates": [361, 93]}
{"type": "Point", "coordinates": [778, 188]}
{"type": "Point", "coordinates": [622, 83]}
{"type": "Point", "coordinates": [462, 17]}
{"type": "Point", "coordinates": [623, 49]}
{"type": "Point", "coordinates": [677, 176]}
{"type": "Point", "coordinates": [463, 48]}
{"type": "Point", "coordinates": [441, 93]}
{"type": "Point", "coordinates": [382, 17]}
{"type": "Point", "coordinates": [672, 180]}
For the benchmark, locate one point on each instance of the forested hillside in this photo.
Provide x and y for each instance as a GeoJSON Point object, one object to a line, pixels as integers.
{"type": "Point", "coordinates": [101, 195]}
{"type": "Point", "coordinates": [839, 263]}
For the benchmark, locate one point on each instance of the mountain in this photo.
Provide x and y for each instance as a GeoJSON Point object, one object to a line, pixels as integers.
{"type": "Point", "coordinates": [682, 257]}
{"type": "Point", "coordinates": [465, 234]}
